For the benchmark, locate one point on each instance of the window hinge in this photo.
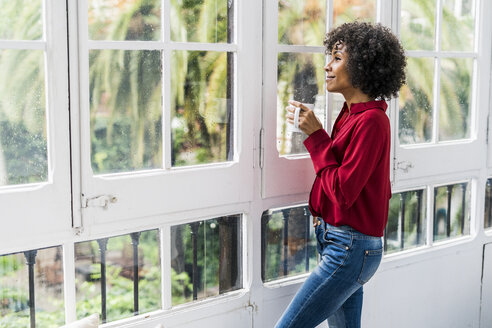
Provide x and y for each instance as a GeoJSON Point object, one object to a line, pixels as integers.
{"type": "Point", "coordinates": [98, 201]}
{"type": "Point", "coordinates": [262, 149]}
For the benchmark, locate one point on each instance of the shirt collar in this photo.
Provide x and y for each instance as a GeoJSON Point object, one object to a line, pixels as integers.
{"type": "Point", "coordinates": [360, 107]}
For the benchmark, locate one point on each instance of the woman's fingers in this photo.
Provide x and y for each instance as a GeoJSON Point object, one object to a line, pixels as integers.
{"type": "Point", "coordinates": [299, 104]}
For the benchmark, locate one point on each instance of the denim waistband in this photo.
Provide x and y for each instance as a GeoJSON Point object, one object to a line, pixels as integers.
{"type": "Point", "coordinates": [347, 229]}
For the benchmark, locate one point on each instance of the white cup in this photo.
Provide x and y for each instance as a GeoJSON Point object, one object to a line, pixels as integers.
{"type": "Point", "coordinates": [295, 127]}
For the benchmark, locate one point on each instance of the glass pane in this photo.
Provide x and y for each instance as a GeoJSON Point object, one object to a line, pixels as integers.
{"type": "Point", "coordinates": [21, 20]}
{"type": "Point", "coordinates": [458, 25]}
{"type": "Point", "coordinates": [416, 102]}
{"type": "Point", "coordinates": [301, 22]}
{"type": "Point", "coordinates": [300, 77]}
{"type": "Point", "coordinates": [348, 11]}
{"type": "Point", "coordinates": [488, 204]}
{"type": "Point", "coordinates": [288, 243]}
{"type": "Point", "coordinates": [406, 221]}
{"type": "Point", "coordinates": [126, 257]}
{"type": "Point", "coordinates": [202, 107]}
{"type": "Point", "coordinates": [23, 144]}
{"type": "Point", "coordinates": [455, 100]}
{"type": "Point", "coordinates": [337, 104]}
{"type": "Point", "coordinates": [121, 20]}
{"type": "Point", "coordinates": [47, 265]}
{"type": "Point", "coordinates": [451, 211]}
{"type": "Point", "coordinates": [202, 21]}
{"type": "Point", "coordinates": [418, 24]}
{"type": "Point", "coordinates": [126, 110]}
{"type": "Point", "coordinates": [206, 258]}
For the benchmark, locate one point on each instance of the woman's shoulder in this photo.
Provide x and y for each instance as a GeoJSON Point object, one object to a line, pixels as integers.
{"type": "Point", "coordinates": [375, 115]}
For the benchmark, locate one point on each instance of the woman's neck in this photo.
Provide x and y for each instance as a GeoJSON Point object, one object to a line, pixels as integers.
{"type": "Point", "coordinates": [355, 96]}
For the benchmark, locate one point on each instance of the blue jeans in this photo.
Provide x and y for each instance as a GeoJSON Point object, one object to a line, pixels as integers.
{"type": "Point", "coordinates": [333, 290]}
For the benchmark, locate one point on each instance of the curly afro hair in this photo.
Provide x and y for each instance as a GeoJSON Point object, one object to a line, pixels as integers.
{"type": "Point", "coordinates": [376, 60]}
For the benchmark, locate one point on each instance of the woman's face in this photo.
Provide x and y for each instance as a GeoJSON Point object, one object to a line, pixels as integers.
{"type": "Point", "coordinates": [337, 77]}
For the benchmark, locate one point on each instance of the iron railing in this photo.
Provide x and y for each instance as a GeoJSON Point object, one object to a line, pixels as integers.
{"type": "Point", "coordinates": [290, 231]}
{"type": "Point", "coordinates": [449, 197]}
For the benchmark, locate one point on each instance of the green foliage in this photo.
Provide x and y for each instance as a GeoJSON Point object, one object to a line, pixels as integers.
{"type": "Point", "coordinates": [181, 287]}
{"type": "Point", "coordinates": [25, 153]}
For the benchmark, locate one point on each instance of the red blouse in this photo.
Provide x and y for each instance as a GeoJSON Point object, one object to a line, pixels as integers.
{"type": "Point", "coordinates": [352, 185]}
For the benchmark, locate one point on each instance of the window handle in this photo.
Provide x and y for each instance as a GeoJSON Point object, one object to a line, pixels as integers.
{"type": "Point", "coordinates": [99, 201]}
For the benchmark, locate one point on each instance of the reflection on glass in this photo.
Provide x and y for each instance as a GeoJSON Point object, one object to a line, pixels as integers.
{"type": "Point", "coordinates": [416, 102]}
{"type": "Point", "coordinates": [488, 205]}
{"type": "Point", "coordinates": [121, 20]}
{"type": "Point", "coordinates": [126, 110]}
{"type": "Point", "coordinates": [206, 258]}
{"type": "Point", "coordinates": [209, 21]}
{"type": "Point", "coordinates": [418, 24]}
{"type": "Point", "coordinates": [126, 258]}
{"type": "Point", "coordinates": [458, 25]}
{"type": "Point", "coordinates": [300, 77]}
{"type": "Point", "coordinates": [201, 107]}
{"type": "Point", "coordinates": [451, 211]}
{"type": "Point", "coordinates": [21, 20]}
{"type": "Point", "coordinates": [406, 221]}
{"type": "Point", "coordinates": [348, 11]}
{"type": "Point", "coordinates": [288, 243]}
{"type": "Point", "coordinates": [455, 98]}
{"type": "Point", "coordinates": [301, 22]}
{"type": "Point", "coordinates": [23, 144]}
{"type": "Point", "coordinates": [47, 266]}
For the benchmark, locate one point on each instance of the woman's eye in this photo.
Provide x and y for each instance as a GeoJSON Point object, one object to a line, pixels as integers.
{"type": "Point", "coordinates": [338, 58]}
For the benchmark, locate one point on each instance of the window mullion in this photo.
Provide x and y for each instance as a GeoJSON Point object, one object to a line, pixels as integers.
{"type": "Point", "coordinates": [166, 90]}
{"type": "Point", "coordinates": [437, 72]}
{"type": "Point", "coordinates": [69, 291]}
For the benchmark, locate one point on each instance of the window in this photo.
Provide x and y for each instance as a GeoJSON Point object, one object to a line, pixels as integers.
{"type": "Point", "coordinates": [406, 227]}
{"type": "Point", "coordinates": [34, 134]}
{"type": "Point", "coordinates": [150, 130]}
{"type": "Point", "coordinates": [451, 211]}
{"type": "Point", "coordinates": [159, 107]}
{"type": "Point", "coordinates": [118, 276]}
{"type": "Point", "coordinates": [206, 258]}
{"type": "Point", "coordinates": [142, 141]}
{"type": "Point", "coordinates": [288, 243]}
{"type": "Point", "coordinates": [437, 114]}
{"type": "Point", "coordinates": [488, 205]}
{"type": "Point", "coordinates": [294, 60]}
{"type": "Point", "coordinates": [32, 288]}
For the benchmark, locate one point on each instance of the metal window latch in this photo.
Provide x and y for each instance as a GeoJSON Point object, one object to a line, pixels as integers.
{"type": "Point", "coordinates": [404, 166]}
{"type": "Point", "coordinates": [98, 201]}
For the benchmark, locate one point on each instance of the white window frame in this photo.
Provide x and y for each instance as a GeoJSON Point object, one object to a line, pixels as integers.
{"type": "Point", "coordinates": [232, 181]}
{"type": "Point", "coordinates": [41, 212]}
{"type": "Point", "coordinates": [428, 159]}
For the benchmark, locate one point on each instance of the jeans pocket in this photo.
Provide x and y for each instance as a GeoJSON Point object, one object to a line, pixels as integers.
{"type": "Point", "coordinates": [372, 259]}
{"type": "Point", "coordinates": [339, 239]}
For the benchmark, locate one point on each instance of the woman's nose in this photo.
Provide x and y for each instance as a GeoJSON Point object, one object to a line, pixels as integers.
{"type": "Point", "coordinates": [327, 68]}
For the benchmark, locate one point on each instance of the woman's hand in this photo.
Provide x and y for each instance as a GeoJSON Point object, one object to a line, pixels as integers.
{"type": "Point", "coordinates": [308, 122]}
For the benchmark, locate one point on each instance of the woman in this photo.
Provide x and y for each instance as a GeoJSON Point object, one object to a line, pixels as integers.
{"type": "Point", "coordinates": [350, 195]}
